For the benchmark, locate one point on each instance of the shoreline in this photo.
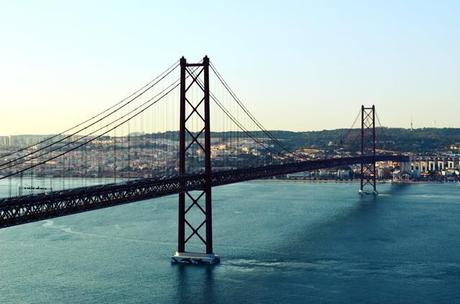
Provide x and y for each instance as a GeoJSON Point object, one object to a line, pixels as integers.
{"type": "Point", "coordinates": [324, 181]}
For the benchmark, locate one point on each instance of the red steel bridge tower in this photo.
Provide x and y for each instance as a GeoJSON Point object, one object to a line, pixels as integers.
{"type": "Point", "coordinates": [368, 172]}
{"type": "Point", "coordinates": [194, 81]}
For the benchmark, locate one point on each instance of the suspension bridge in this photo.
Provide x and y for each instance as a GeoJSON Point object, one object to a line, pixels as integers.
{"type": "Point", "coordinates": [158, 141]}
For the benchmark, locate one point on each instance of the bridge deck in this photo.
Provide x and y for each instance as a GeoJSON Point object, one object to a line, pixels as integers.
{"type": "Point", "coordinates": [31, 208]}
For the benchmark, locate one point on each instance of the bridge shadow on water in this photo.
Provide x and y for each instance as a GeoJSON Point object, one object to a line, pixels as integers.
{"type": "Point", "coordinates": [361, 211]}
{"type": "Point", "coordinates": [364, 214]}
{"type": "Point", "coordinates": [306, 251]}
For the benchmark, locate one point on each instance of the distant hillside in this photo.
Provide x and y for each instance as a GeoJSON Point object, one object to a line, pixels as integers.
{"type": "Point", "coordinates": [421, 141]}
{"type": "Point", "coordinates": [426, 140]}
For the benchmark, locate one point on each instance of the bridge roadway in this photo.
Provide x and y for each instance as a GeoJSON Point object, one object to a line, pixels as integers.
{"type": "Point", "coordinates": [30, 208]}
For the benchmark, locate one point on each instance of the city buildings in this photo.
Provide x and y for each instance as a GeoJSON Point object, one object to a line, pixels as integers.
{"type": "Point", "coordinates": [144, 155]}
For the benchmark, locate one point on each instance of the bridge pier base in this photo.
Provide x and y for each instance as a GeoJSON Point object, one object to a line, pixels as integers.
{"type": "Point", "coordinates": [195, 258]}
{"type": "Point", "coordinates": [366, 192]}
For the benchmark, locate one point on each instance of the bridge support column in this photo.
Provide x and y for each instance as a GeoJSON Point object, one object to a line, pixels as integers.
{"type": "Point", "coordinates": [195, 147]}
{"type": "Point", "coordinates": [368, 172]}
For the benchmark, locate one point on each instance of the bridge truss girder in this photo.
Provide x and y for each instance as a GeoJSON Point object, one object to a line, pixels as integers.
{"type": "Point", "coordinates": [31, 208]}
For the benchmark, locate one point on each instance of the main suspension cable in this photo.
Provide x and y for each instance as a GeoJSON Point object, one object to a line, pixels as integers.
{"type": "Point", "coordinates": [248, 113]}
{"type": "Point", "coordinates": [147, 87]}
{"type": "Point", "coordinates": [93, 138]}
{"type": "Point", "coordinates": [348, 131]}
{"type": "Point", "coordinates": [232, 118]}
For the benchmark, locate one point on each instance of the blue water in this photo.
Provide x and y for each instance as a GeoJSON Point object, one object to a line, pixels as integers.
{"type": "Point", "coordinates": [280, 242]}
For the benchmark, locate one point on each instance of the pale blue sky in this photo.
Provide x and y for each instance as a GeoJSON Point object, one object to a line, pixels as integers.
{"type": "Point", "coordinates": [298, 65]}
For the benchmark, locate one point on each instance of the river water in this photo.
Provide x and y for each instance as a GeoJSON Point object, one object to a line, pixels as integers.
{"type": "Point", "coordinates": [280, 242]}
